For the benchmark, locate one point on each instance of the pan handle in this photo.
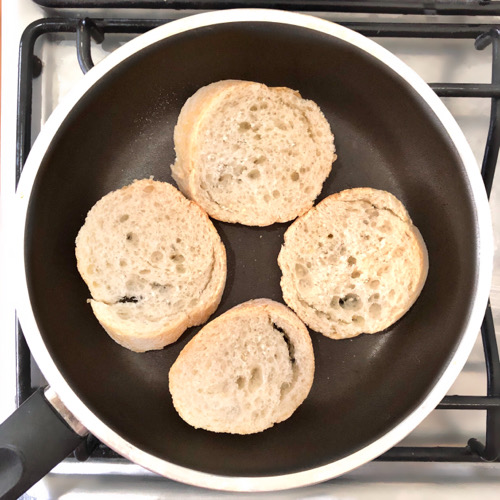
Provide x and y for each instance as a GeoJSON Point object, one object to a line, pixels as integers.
{"type": "Point", "coordinates": [34, 439]}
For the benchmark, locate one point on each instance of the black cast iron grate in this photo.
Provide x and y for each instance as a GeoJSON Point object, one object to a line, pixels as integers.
{"type": "Point", "coordinates": [441, 7]}
{"type": "Point", "coordinates": [30, 67]}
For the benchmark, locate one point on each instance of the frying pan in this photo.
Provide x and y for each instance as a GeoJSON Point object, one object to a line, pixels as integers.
{"type": "Point", "coordinates": [392, 133]}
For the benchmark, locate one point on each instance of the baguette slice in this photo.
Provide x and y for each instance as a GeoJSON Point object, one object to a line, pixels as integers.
{"type": "Point", "coordinates": [353, 264]}
{"type": "Point", "coordinates": [246, 370]}
{"type": "Point", "coordinates": [154, 264]}
{"type": "Point", "coordinates": [252, 154]}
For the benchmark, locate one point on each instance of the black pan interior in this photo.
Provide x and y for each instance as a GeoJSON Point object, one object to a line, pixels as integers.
{"type": "Point", "coordinates": [386, 137]}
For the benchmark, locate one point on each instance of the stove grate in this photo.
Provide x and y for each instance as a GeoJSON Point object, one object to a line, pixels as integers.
{"type": "Point", "coordinates": [483, 35]}
{"type": "Point", "coordinates": [424, 7]}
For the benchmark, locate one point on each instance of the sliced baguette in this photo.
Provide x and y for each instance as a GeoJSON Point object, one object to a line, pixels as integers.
{"type": "Point", "coordinates": [353, 264]}
{"type": "Point", "coordinates": [252, 154]}
{"type": "Point", "coordinates": [246, 370]}
{"type": "Point", "coordinates": [153, 262]}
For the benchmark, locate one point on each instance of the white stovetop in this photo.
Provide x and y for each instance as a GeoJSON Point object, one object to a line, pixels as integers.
{"type": "Point", "coordinates": [435, 61]}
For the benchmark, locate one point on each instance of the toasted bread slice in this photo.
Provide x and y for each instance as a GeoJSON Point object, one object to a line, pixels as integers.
{"type": "Point", "coordinates": [252, 154]}
{"type": "Point", "coordinates": [353, 264]}
{"type": "Point", "coordinates": [246, 370]}
{"type": "Point", "coordinates": [154, 264]}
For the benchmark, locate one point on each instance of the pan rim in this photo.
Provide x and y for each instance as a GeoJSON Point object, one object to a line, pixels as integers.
{"type": "Point", "coordinates": [296, 479]}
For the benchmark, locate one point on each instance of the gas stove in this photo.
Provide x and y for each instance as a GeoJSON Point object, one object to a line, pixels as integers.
{"type": "Point", "coordinates": [452, 45]}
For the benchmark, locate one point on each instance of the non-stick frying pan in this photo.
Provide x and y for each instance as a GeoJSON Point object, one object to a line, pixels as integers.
{"type": "Point", "coordinates": [391, 133]}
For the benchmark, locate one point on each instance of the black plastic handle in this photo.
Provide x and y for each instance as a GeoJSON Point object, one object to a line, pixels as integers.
{"type": "Point", "coordinates": [33, 440]}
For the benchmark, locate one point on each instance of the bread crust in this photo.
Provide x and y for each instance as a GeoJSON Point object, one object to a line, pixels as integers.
{"type": "Point", "coordinates": [186, 130]}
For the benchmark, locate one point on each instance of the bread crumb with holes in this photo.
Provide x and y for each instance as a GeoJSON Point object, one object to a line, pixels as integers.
{"type": "Point", "coordinates": [353, 264]}
{"type": "Point", "coordinates": [153, 262]}
{"type": "Point", "coordinates": [252, 154]}
{"type": "Point", "coordinates": [245, 371]}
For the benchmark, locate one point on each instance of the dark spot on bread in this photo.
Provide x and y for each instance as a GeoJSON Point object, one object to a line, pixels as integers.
{"type": "Point", "coordinates": [351, 302]}
{"type": "Point", "coordinates": [286, 338]}
{"type": "Point", "coordinates": [126, 299]}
